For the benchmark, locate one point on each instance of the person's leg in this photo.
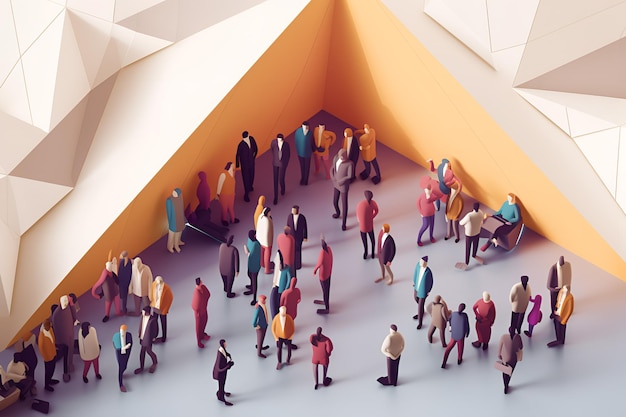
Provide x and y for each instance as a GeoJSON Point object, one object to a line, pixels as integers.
{"type": "Point", "coordinates": [431, 226]}
{"type": "Point", "coordinates": [279, 351]}
{"type": "Point", "coordinates": [316, 162]}
{"type": "Point", "coordinates": [326, 166]}
{"type": "Point", "coordinates": [282, 180]}
{"type": "Point", "coordinates": [422, 230]}
{"type": "Point", "coordinates": [460, 346]}
{"type": "Point", "coordinates": [344, 203]}
{"type": "Point", "coordinates": [336, 194]}
{"type": "Point", "coordinates": [442, 334]}
{"type": "Point", "coordinates": [298, 255]}
{"type": "Point", "coordinates": [390, 272]}
{"type": "Point", "coordinates": [366, 171]}
{"type": "Point", "coordinates": [163, 318]}
{"type": "Point", "coordinates": [420, 309]}
{"type": "Point", "coordinates": [447, 352]}
{"type": "Point", "coordinates": [289, 347]}
{"type": "Point", "coordinates": [276, 171]}
{"type": "Point", "coordinates": [307, 169]}
{"type": "Point", "coordinates": [373, 241]}
{"type": "Point", "coordinates": [315, 374]}
{"type": "Point", "coordinates": [376, 179]}
{"type": "Point", "coordinates": [259, 342]}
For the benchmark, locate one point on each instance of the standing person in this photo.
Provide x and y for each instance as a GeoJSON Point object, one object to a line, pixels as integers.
{"type": "Point", "coordinates": [245, 158]}
{"type": "Point", "coordinates": [122, 342]}
{"type": "Point", "coordinates": [140, 284]}
{"type": "Point", "coordinates": [559, 275]}
{"type": "Point", "coordinates": [226, 194]}
{"type": "Point", "coordinates": [287, 246]}
{"type": "Point", "coordinates": [519, 298]}
{"type": "Point", "coordinates": [260, 206]}
{"type": "Point", "coordinates": [426, 209]}
{"type": "Point", "coordinates": [303, 139]}
{"type": "Point", "coordinates": [422, 285]}
{"type": "Point", "coordinates": [280, 160]}
{"type": "Point", "coordinates": [265, 236]}
{"type": "Point", "coordinates": [392, 348]}
{"type": "Point", "coordinates": [175, 209]}
{"type": "Point", "coordinates": [351, 146]}
{"type": "Point", "coordinates": [63, 322]}
{"type": "Point", "coordinates": [472, 222]}
{"type": "Point", "coordinates": [366, 211]}
{"type": "Point", "coordinates": [341, 172]}
{"type": "Point", "coordinates": [459, 324]}
{"type": "Point", "coordinates": [561, 315]}
{"type": "Point", "coordinates": [148, 330]}
{"type": "Point", "coordinates": [485, 311]}
{"type": "Point", "coordinates": [253, 252]}
{"type": "Point", "coordinates": [124, 274]}
{"type": "Point", "coordinates": [322, 141]}
{"type": "Point", "coordinates": [440, 314]}
{"type": "Point", "coordinates": [510, 352]}
{"type": "Point", "coordinates": [283, 329]}
{"type": "Point", "coordinates": [223, 362]}
{"type": "Point", "coordinates": [322, 349]}
{"type": "Point", "coordinates": [49, 351]}
{"type": "Point", "coordinates": [199, 302]}
{"type": "Point", "coordinates": [325, 267]}
{"type": "Point", "coordinates": [228, 259]}
{"type": "Point", "coordinates": [89, 349]}
{"type": "Point", "coordinates": [454, 208]}
{"type": "Point", "coordinates": [386, 253]}
{"type": "Point", "coordinates": [107, 283]}
{"type": "Point", "coordinates": [161, 298]}
{"type": "Point", "coordinates": [260, 321]}
{"type": "Point", "coordinates": [367, 146]}
{"type": "Point", "coordinates": [297, 222]}
{"type": "Point", "coordinates": [535, 315]}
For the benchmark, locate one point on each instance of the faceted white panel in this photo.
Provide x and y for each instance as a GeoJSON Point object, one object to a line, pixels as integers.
{"type": "Point", "coordinates": [8, 41]}
{"type": "Point", "coordinates": [31, 200]}
{"type": "Point", "coordinates": [620, 192]}
{"type": "Point", "coordinates": [101, 9]}
{"type": "Point", "coordinates": [584, 123]}
{"type": "Point", "coordinates": [40, 69]}
{"type": "Point", "coordinates": [601, 150]}
{"type": "Point", "coordinates": [160, 21]}
{"type": "Point", "coordinates": [13, 96]}
{"type": "Point", "coordinates": [16, 141]}
{"type": "Point", "coordinates": [557, 113]}
{"type": "Point", "coordinates": [141, 46]}
{"type": "Point", "coordinates": [71, 82]}
{"type": "Point", "coordinates": [31, 25]}
{"type": "Point", "coordinates": [510, 22]}
{"type": "Point", "coordinates": [4, 198]}
{"type": "Point", "coordinates": [126, 8]}
{"type": "Point", "coordinates": [10, 243]}
{"type": "Point", "coordinates": [93, 37]}
{"type": "Point", "coordinates": [468, 24]}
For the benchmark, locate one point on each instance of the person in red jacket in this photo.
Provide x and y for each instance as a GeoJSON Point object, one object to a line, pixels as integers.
{"type": "Point", "coordinates": [325, 267]}
{"type": "Point", "coordinates": [322, 348]}
{"type": "Point", "coordinates": [201, 295]}
{"type": "Point", "coordinates": [366, 210]}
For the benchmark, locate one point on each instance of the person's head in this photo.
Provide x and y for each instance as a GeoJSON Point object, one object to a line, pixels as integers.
{"type": "Point", "coordinates": [84, 328]}
{"type": "Point", "coordinates": [561, 260]}
{"type": "Point", "coordinates": [282, 311]}
{"type": "Point", "coordinates": [318, 332]}
{"type": "Point", "coordinates": [287, 230]}
{"type": "Point", "coordinates": [64, 301]}
{"type": "Point", "coordinates": [123, 329]}
{"type": "Point", "coordinates": [280, 137]}
{"type": "Point", "coordinates": [512, 331]}
{"type": "Point", "coordinates": [324, 244]}
{"type": "Point", "coordinates": [366, 127]}
{"type": "Point", "coordinates": [295, 210]}
{"type": "Point", "coordinates": [486, 297]}
{"type": "Point", "coordinates": [123, 255]}
{"type": "Point", "coordinates": [511, 198]}
{"type": "Point", "coordinates": [437, 299]}
{"type": "Point", "coordinates": [159, 281]}
{"type": "Point", "coordinates": [17, 357]}
{"type": "Point", "coordinates": [145, 311]}
{"type": "Point", "coordinates": [347, 132]}
{"type": "Point", "coordinates": [368, 195]}
{"type": "Point", "coordinates": [424, 261]}
{"type": "Point", "coordinates": [321, 125]}
{"type": "Point", "coordinates": [137, 262]}
{"type": "Point", "coordinates": [305, 125]}
{"type": "Point", "coordinates": [202, 176]}
{"type": "Point", "coordinates": [262, 299]}
{"type": "Point", "coordinates": [47, 324]}
{"type": "Point", "coordinates": [252, 234]}
{"type": "Point", "coordinates": [393, 328]}
{"type": "Point", "coordinates": [461, 307]}
{"type": "Point", "coordinates": [266, 211]}
{"type": "Point", "coordinates": [342, 154]}
{"type": "Point", "coordinates": [244, 134]}
{"type": "Point", "coordinates": [175, 192]}
{"type": "Point", "coordinates": [229, 167]}
{"type": "Point", "coordinates": [565, 289]}
{"type": "Point", "coordinates": [261, 201]}
{"type": "Point", "coordinates": [198, 281]}
{"type": "Point", "coordinates": [108, 266]}
{"type": "Point", "coordinates": [476, 206]}
{"type": "Point", "coordinates": [230, 240]}
{"type": "Point", "coordinates": [385, 228]}
{"type": "Point", "coordinates": [223, 343]}
{"type": "Point", "coordinates": [524, 280]}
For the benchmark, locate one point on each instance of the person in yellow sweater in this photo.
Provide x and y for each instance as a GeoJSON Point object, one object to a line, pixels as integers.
{"type": "Point", "coordinates": [49, 352]}
{"type": "Point", "coordinates": [226, 194]}
{"type": "Point", "coordinates": [322, 141]}
{"type": "Point", "coordinates": [562, 312]}
{"type": "Point", "coordinates": [283, 329]}
{"type": "Point", "coordinates": [367, 145]}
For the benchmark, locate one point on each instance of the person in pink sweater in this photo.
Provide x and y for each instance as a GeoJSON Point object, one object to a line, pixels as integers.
{"type": "Point", "coordinates": [427, 212]}
{"type": "Point", "coordinates": [366, 211]}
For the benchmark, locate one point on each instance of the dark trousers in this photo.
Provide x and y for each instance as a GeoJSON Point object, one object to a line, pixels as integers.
{"type": "Point", "coordinates": [297, 254]}
{"type": "Point", "coordinates": [326, 292]}
{"type": "Point", "coordinates": [442, 334]}
{"type": "Point", "coordinates": [63, 353]}
{"type": "Point", "coordinates": [122, 362]}
{"type": "Point", "coordinates": [471, 243]}
{"type": "Point", "coordinates": [124, 298]}
{"type": "Point", "coordinates": [247, 175]}
{"type": "Point", "coordinates": [559, 329]}
{"type": "Point", "coordinates": [516, 321]}
{"type": "Point", "coordinates": [202, 317]}
{"type": "Point", "coordinates": [221, 387]}
{"type": "Point", "coordinates": [460, 344]}
{"type": "Point", "coordinates": [427, 222]}
{"type": "Point", "coordinates": [228, 281]}
{"type": "Point", "coordinates": [163, 318]}
{"type": "Point", "coordinates": [364, 240]}
{"type": "Point", "coordinates": [279, 349]}
{"type": "Point", "coordinates": [305, 167]}
{"type": "Point", "coordinates": [260, 337]}
{"type": "Point", "coordinates": [254, 283]}
{"type": "Point", "coordinates": [49, 371]}
{"type": "Point", "coordinates": [142, 356]}
{"type": "Point", "coordinates": [392, 370]}
{"type": "Point", "coordinates": [279, 177]}
{"type": "Point", "coordinates": [366, 172]}
{"type": "Point", "coordinates": [344, 203]}
{"type": "Point", "coordinates": [420, 307]}
{"type": "Point", "coordinates": [274, 301]}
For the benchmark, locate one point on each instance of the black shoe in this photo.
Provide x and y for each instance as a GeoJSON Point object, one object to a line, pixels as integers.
{"type": "Point", "coordinates": [227, 402]}
{"type": "Point", "coordinates": [85, 380]}
{"type": "Point", "coordinates": [415, 317]}
{"type": "Point", "coordinates": [105, 319]}
{"type": "Point", "coordinates": [249, 292]}
{"type": "Point", "coordinates": [249, 287]}
{"type": "Point", "coordinates": [485, 346]}
{"type": "Point", "coordinates": [327, 381]}
{"type": "Point", "coordinates": [335, 215]}
{"type": "Point", "coordinates": [275, 201]}
{"type": "Point", "coordinates": [476, 344]}
{"type": "Point", "coordinates": [527, 333]}
{"type": "Point", "coordinates": [54, 381]}
{"type": "Point", "coordinates": [253, 302]}
{"type": "Point", "coordinates": [322, 311]}
{"type": "Point", "coordinates": [224, 223]}
{"type": "Point", "coordinates": [231, 295]}
{"type": "Point", "coordinates": [236, 220]}
{"type": "Point", "coordinates": [365, 256]}
{"type": "Point", "coordinates": [419, 326]}
{"type": "Point", "coordinates": [383, 380]}
{"type": "Point", "coordinates": [459, 361]}
{"type": "Point", "coordinates": [343, 227]}
{"type": "Point", "coordinates": [282, 192]}
{"type": "Point", "coordinates": [376, 179]}
{"type": "Point", "coordinates": [48, 388]}
{"type": "Point", "coordinates": [246, 198]}
{"type": "Point", "coordinates": [98, 376]}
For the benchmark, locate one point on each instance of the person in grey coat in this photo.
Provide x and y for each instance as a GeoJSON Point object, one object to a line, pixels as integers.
{"type": "Point", "coordinates": [440, 314]}
{"type": "Point", "coordinates": [510, 352]}
{"type": "Point", "coordinates": [229, 265]}
{"type": "Point", "coordinates": [340, 174]}
{"type": "Point", "coordinates": [459, 324]}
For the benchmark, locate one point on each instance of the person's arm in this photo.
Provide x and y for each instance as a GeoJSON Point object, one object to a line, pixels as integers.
{"type": "Point", "coordinates": [220, 184]}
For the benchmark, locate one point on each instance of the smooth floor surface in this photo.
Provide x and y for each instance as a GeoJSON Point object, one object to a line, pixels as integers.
{"type": "Point", "coordinates": [583, 377]}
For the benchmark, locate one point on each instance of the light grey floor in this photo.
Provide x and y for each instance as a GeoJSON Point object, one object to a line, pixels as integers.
{"type": "Point", "coordinates": [584, 377]}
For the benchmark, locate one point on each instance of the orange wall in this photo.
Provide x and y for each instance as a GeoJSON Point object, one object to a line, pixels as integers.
{"type": "Point", "coordinates": [285, 86]}
{"type": "Point", "coordinates": [417, 108]}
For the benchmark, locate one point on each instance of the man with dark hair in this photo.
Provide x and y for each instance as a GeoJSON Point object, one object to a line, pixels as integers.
{"type": "Point", "coordinates": [246, 154]}
{"type": "Point", "coordinates": [392, 348]}
{"type": "Point", "coordinates": [280, 160]}
{"type": "Point", "coordinates": [223, 362]}
{"type": "Point", "coordinates": [303, 138]}
{"type": "Point", "coordinates": [228, 259]}
{"type": "Point", "coordinates": [472, 222]}
{"type": "Point", "coordinates": [297, 223]}
{"type": "Point", "coordinates": [340, 173]}
{"type": "Point", "coordinates": [148, 331]}
{"type": "Point", "coordinates": [459, 324]}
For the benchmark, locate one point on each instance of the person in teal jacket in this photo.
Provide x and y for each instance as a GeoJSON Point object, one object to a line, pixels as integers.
{"type": "Point", "coordinates": [422, 284]}
{"type": "Point", "coordinates": [509, 215]}
{"type": "Point", "coordinates": [304, 148]}
{"type": "Point", "coordinates": [259, 322]}
{"type": "Point", "coordinates": [253, 251]}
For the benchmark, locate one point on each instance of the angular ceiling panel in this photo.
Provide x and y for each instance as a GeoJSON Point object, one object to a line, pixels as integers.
{"type": "Point", "coordinates": [14, 97]}
{"type": "Point", "coordinates": [10, 243]}
{"type": "Point", "coordinates": [93, 36]}
{"type": "Point", "coordinates": [620, 193]}
{"type": "Point", "coordinates": [16, 141]}
{"type": "Point", "coordinates": [126, 8]}
{"type": "Point", "coordinates": [510, 22]}
{"type": "Point", "coordinates": [584, 123]}
{"type": "Point", "coordinates": [4, 198]}
{"type": "Point", "coordinates": [601, 150]}
{"type": "Point", "coordinates": [159, 21]}
{"type": "Point", "coordinates": [556, 112]}
{"type": "Point", "coordinates": [101, 9]}
{"type": "Point", "coordinates": [40, 69]}
{"type": "Point", "coordinates": [25, 211]}
{"type": "Point", "coordinates": [31, 25]}
{"type": "Point", "coordinates": [142, 46]}
{"type": "Point", "coordinates": [8, 40]}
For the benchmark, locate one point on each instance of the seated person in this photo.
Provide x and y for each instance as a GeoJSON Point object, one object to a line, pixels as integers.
{"type": "Point", "coordinates": [509, 215]}
{"type": "Point", "coordinates": [16, 372]}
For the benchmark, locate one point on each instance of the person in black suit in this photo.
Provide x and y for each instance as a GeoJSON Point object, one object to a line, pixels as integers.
{"type": "Point", "coordinates": [280, 160]}
{"type": "Point", "coordinates": [245, 158]}
{"type": "Point", "coordinates": [297, 223]}
{"type": "Point", "coordinates": [223, 363]}
{"type": "Point", "coordinates": [386, 253]}
{"type": "Point", "coordinates": [148, 331]}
